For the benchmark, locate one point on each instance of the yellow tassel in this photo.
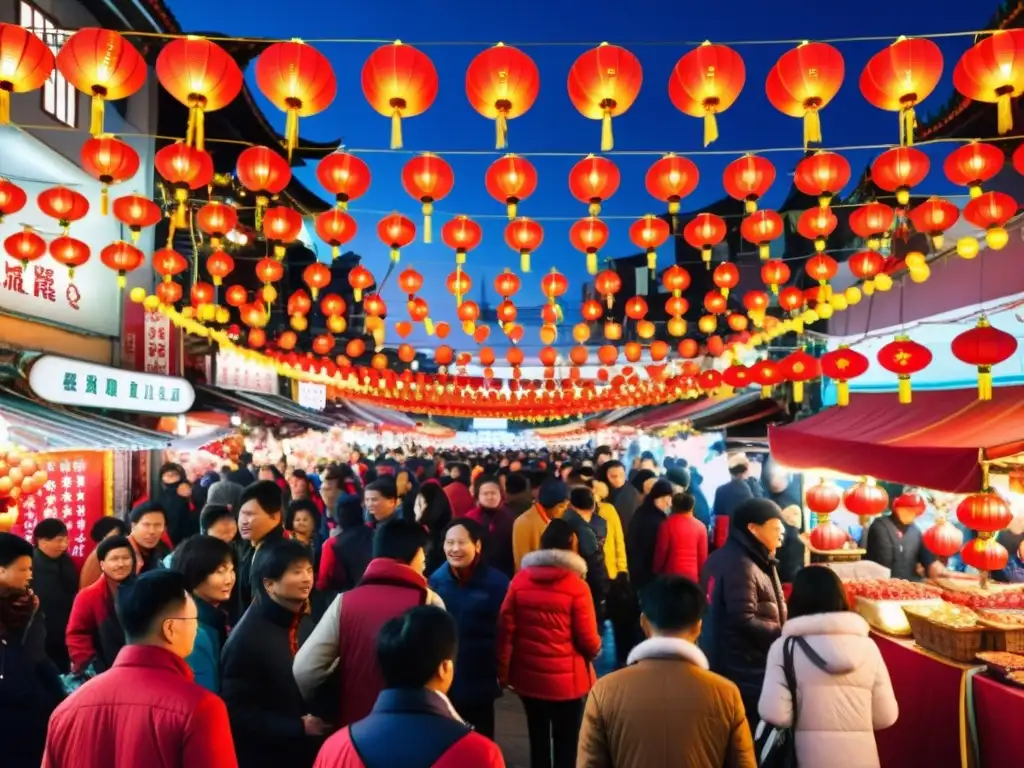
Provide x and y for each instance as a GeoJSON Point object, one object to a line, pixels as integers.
{"type": "Point", "coordinates": [985, 382]}
{"type": "Point", "coordinates": [812, 127]}
{"type": "Point", "coordinates": [315, 292]}
{"type": "Point", "coordinates": [1004, 111]}
{"type": "Point", "coordinates": [513, 209]}
{"type": "Point", "coordinates": [750, 205]}
{"type": "Point", "coordinates": [766, 392]}
{"type": "Point", "coordinates": [524, 261]}
{"type": "Point", "coordinates": [460, 257]}
{"type": "Point", "coordinates": [396, 129]}
{"type": "Point", "coordinates": [261, 205]}
{"type": "Point", "coordinates": [291, 131]}
{"type": "Point", "coordinates": [904, 389]}
{"type": "Point", "coordinates": [500, 131]}
{"type": "Point", "coordinates": [775, 288]}
{"type": "Point", "coordinates": [104, 201]}
{"type": "Point", "coordinates": [468, 328]}
{"type": "Point", "coordinates": [122, 280]}
{"type": "Point", "coordinates": [341, 205]}
{"type": "Point", "coordinates": [725, 293]}
{"type": "Point", "coordinates": [96, 120]}
{"type": "Point", "coordinates": [710, 128]}
{"type": "Point", "coordinates": [181, 221]}
{"type": "Point", "coordinates": [607, 140]}
{"type": "Point", "coordinates": [5, 107]}
{"type": "Point", "coordinates": [428, 230]}
{"type": "Point", "coordinates": [652, 259]}
{"type": "Point", "coordinates": [842, 392]}
{"type": "Point", "coordinates": [909, 124]}
{"type": "Point", "coordinates": [798, 391]}
{"type": "Point", "coordinates": [200, 134]}
{"type": "Point", "coordinates": [764, 250]}
{"type": "Point", "coordinates": [395, 255]}
{"type": "Point", "coordinates": [705, 255]}
{"type": "Point", "coordinates": [335, 252]}
{"type": "Point", "coordinates": [357, 294]}
{"type": "Point", "coordinates": [591, 262]}
{"type": "Point", "coordinates": [428, 326]}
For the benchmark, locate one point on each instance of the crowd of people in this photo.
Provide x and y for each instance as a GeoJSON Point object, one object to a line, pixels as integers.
{"type": "Point", "coordinates": [371, 614]}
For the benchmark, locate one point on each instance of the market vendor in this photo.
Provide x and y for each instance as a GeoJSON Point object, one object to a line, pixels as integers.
{"type": "Point", "coordinates": [895, 541]}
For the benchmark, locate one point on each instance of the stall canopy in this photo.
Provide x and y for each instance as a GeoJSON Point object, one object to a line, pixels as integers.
{"type": "Point", "coordinates": [41, 427]}
{"type": "Point", "coordinates": [708, 414]}
{"type": "Point", "coordinates": [276, 407]}
{"type": "Point", "coordinates": [934, 442]}
{"type": "Point", "coordinates": [382, 418]}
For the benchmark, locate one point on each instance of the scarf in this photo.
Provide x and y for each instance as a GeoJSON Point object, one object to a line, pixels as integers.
{"type": "Point", "coordinates": [463, 576]}
{"type": "Point", "coordinates": [16, 610]}
{"type": "Point", "coordinates": [293, 630]}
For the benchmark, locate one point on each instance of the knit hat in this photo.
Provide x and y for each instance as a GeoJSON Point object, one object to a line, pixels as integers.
{"type": "Point", "coordinates": [756, 511]}
{"type": "Point", "coordinates": [661, 487]}
{"type": "Point", "coordinates": [552, 493]}
{"type": "Point", "coordinates": [225, 492]}
{"type": "Point", "coordinates": [678, 476]}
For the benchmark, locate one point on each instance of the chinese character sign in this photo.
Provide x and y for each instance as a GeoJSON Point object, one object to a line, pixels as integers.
{"type": "Point", "coordinates": [157, 352]}
{"type": "Point", "coordinates": [236, 372]}
{"type": "Point", "coordinates": [75, 492]}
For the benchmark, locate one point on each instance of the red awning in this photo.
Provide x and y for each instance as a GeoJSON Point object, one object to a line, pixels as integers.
{"type": "Point", "coordinates": [711, 412]}
{"type": "Point", "coordinates": [934, 442]}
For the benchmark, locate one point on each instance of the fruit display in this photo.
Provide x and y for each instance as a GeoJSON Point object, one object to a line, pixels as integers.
{"type": "Point", "coordinates": [1002, 619]}
{"type": "Point", "coordinates": [1002, 660]}
{"type": "Point", "coordinates": [890, 589]}
{"type": "Point", "coordinates": [888, 616]}
{"type": "Point", "coordinates": [969, 592]}
{"type": "Point", "coordinates": [947, 614]}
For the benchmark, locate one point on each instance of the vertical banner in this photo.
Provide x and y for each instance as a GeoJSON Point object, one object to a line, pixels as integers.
{"type": "Point", "coordinates": [156, 354]}
{"type": "Point", "coordinates": [132, 335]}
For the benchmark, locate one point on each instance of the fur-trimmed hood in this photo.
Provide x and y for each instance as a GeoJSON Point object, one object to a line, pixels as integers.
{"type": "Point", "coordinates": [556, 558]}
{"type": "Point", "coordinates": [668, 648]}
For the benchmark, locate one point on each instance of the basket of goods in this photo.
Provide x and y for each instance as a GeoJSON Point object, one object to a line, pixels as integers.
{"type": "Point", "coordinates": [948, 630]}
{"type": "Point", "coordinates": [1006, 666]}
{"type": "Point", "coordinates": [969, 592]}
{"type": "Point", "coordinates": [881, 602]}
{"type": "Point", "coordinates": [1004, 629]}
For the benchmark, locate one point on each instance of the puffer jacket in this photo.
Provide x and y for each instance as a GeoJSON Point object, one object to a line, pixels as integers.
{"type": "Point", "coordinates": [547, 631]}
{"type": "Point", "coordinates": [838, 711]}
{"type": "Point", "coordinates": [94, 634]}
{"type": "Point", "coordinates": [682, 547]}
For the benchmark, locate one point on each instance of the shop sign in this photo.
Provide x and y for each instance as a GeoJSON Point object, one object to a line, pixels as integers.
{"type": "Point", "coordinates": [312, 395]}
{"type": "Point", "coordinates": [157, 353]}
{"type": "Point", "coordinates": [65, 381]}
{"type": "Point", "coordinates": [236, 372]}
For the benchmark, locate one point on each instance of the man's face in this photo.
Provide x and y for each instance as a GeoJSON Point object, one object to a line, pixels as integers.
{"type": "Point", "coordinates": [118, 564]}
{"type": "Point", "coordinates": [295, 585]}
{"type": "Point", "coordinates": [489, 496]}
{"type": "Point", "coordinates": [617, 477]}
{"type": "Point", "coordinates": [602, 458]}
{"type": "Point", "coordinates": [770, 533]}
{"type": "Point", "coordinates": [664, 503]}
{"type": "Point", "coordinates": [224, 529]}
{"type": "Point", "coordinates": [380, 508]}
{"type": "Point", "coordinates": [298, 487]}
{"type": "Point", "coordinates": [150, 528]}
{"type": "Point", "coordinates": [254, 523]}
{"type": "Point", "coordinates": [55, 547]}
{"type": "Point", "coordinates": [18, 574]}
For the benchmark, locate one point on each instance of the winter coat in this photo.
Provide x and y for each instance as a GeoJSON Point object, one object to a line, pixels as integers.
{"type": "Point", "coordinates": [147, 560]}
{"type": "Point", "coordinates": [591, 536]}
{"type": "Point", "coordinates": [518, 503]}
{"type": "Point", "coordinates": [204, 660]}
{"type": "Point", "coordinates": [727, 498]}
{"type": "Point", "coordinates": [626, 501]}
{"type": "Point", "coordinates": [94, 633]}
{"type": "Point", "coordinates": [498, 524]}
{"type": "Point", "coordinates": [547, 631]}
{"type": "Point", "coordinates": [838, 710]}
{"type": "Point", "coordinates": [474, 604]}
{"type": "Point", "coordinates": [344, 558]}
{"type": "Point", "coordinates": [527, 530]}
{"type": "Point", "coordinates": [413, 729]}
{"type": "Point", "coordinates": [791, 554]}
{"type": "Point", "coordinates": [245, 586]}
{"type": "Point", "coordinates": [145, 711]}
{"type": "Point", "coordinates": [746, 611]}
{"type": "Point", "coordinates": [897, 548]}
{"type": "Point", "coordinates": [641, 543]}
{"type": "Point", "coordinates": [29, 690]}
{"type": "Point", "coordinates": [615, 542]}
{"type": "Point", "coordinates": [263, 700]}
{"type": "Point", "coordinates": [682, 547]}
{"type": "Point", "coordinates": [55, 582]}
{"type": "Point", "coordinates": [665, 709]}
{"type": "Point", "coordinates": [460, 499]}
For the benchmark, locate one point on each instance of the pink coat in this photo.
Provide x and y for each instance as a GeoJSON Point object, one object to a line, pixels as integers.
{"type": "Point", "coordinates": [839, 710]}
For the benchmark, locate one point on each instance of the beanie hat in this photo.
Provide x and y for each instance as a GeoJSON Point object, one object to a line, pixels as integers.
{"type": "Point", "coordinates": [756, 511]}
{"type": "Point", "coordinates": [552, 493]}
{"type": "Point", "coordinates": [225, 492]}
{"type": "Point", "coordinates": [679, 476]}
{"type": "Point", "coordinates": [661, 487]}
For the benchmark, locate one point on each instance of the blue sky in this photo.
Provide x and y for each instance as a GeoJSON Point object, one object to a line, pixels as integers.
{"type": "Point", "coordinates": [553, 125]}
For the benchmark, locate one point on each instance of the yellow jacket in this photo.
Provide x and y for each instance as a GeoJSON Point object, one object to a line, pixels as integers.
{"type": "Point", "coordinates": [615, 541]}
{"type": "Point", "coordinates": [528, 529]}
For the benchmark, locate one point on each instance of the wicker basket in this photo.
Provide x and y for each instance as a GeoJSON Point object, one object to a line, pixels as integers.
{"type": "Point", "coordinates": [999, 637]}
{"type": "Point", "coordinates": [952, 642]}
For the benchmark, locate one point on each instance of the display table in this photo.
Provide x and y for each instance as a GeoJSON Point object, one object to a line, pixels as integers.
{"type": "Point", "coordinates": [999, 710]}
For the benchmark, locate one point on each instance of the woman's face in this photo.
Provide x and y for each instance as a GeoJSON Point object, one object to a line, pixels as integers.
{"type": "Point", "coordinates": [459, 549]}
{"type": "Point", "coordinates": [489, 496]}
{"type": "Point", "coordinates": [218, 585]}
{"type": "Point", "coordinates": [303, 523]}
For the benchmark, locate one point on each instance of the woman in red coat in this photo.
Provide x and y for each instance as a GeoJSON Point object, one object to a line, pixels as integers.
{"type": "Point", "coordinates": [547, 639]}
{"type": "Point", "coordinates": [682, 545]}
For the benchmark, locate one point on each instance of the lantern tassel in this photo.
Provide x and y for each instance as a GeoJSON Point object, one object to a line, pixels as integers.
{"type": "Point", "coordinates": [766, 392]}
{"type": "Point", "coordinates": [96, 119]}
{"type": "Point", "coordinates": [291, 131]}
{"type": "Point", "coordinates": [396, 255]}
{"type": "Point", "coordinates": [908, 122]}
{"type": "Point", "coordinates": [812, 127]}
{"type": "Point", "coordinates": [396, 129]}
{"type": "Point", "coordinates": [985, 382]}
{"type": "Point", "coordinates": [5, 107]}
{"type": "Point", "coordinates": [513, 208]}
{"type": "Point", "coordinates": [798, 391]}
{"type": "Point", "coordinates": [357, 294]}
{"type": "Point", "coordinates": [500, 131]}
{"type": "Point", "coordinates": [428, 326]}
{"type": "Point", "coordinates": [428, 229]}
{"type": "Point", "coordinates": [904, 390]}
{"type": "Point", "coordinates": [524, 261]}
{"type": "Point", "coordinates": [710, 128]}
{"type": "Point", "coordinates": [842, 392]}
{"type": "Point", "coordinates": [607, 139]}
{"type": "Point", "coordinates": [591, 262]}
{"type": "Point", "coordinates": [335, 252]}
{"type": "Point", "coordinates": [196, 134]}
{"type": "Point", "coordinates": [1004, 113]}
{"type": "Point", "coordinates": [104, 201]}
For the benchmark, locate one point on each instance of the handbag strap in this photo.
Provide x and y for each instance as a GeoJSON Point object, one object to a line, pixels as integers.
{"type": "Point", "coordinates": [789, 671]}
{"type": "Point", "coordinates": [812, 654]}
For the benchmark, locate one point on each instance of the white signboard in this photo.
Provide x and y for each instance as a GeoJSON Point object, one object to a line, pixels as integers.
{"type": "Point", "coordinates": [157, 333]}
{"type": "Point", "coordinates": [236, 372]}
{"type": "Point", "coordinates": [312, 395]}
{"type": "Point", "coordinates": [75, 382]}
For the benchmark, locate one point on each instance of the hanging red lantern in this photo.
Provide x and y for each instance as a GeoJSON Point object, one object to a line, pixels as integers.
{"type": "Point", "coordinates": [933, 217]}
{"type": "Point", "coordinates": [332, 305]}
{"type": "Point", "coordinates": [263, 172]}
{"type": "Point", "coordinates": [705, 82]}
{"type": "Point", "coordinates": [911, 502]}
{"type": "Point", "coordinates": [992, 70]}
{"type": "Point", "coordinates": [12, 198]}
{"type": "Point", "coordinates": [27, 64]}
{"type": "Point", "coordinates": [736, 376]}
{"type": "Point", "coordinates": [287, 340]}
{"type": "Point", "coordinates": [110, 161]}
{"type": "Point", "coordinates": [603, 83]}
{"type": "Point", "coordinates": [800, 367]}
{"type": "Point", "coordinates": [510, 180]}
{"type": "Point", "coordinates": [317, 276]}
{"type": "Point", "coordinates": [168, 293]}
{"type": "Point", "coordinates": [217, 219]}
{"type": "Point", "coordinates": [269, 271]}
{"type": "Point", "coordinates": [648, 233]}
{"type": "Point", "coordinates": [709, 380]}
{"type": "Point", "coordinates": [299, 302]}
{"type": "Point", "coordinates": [737, 322]}
{"type": "Point", "coordinates": [899, 170]}
{"type": "Point", "coordinates": [671, 179]}
{"type": "Point", "coordinates": [768, 374]}
{"type": "Point", "coordinates": [184, 169]}
{"type": "Point", "coordinates": [428, 179]}
{"type": "Point", "coordinates": [607, 283]}
{"type": "Point", "coordinates": [866, 265]}
{"type": "Point", "coordinates": [985, 511]}
{"type": "Point", "coordinates": [589, 235]}
{"type": "Point", "coordinates": [760, 228]}
{"type": "Point", "coordinates": [971, 165]}
{"type": "Point", "coordinates": [822, 175]}
{"type": "Point", "coordinates": [904, 357]}
{"type": "Point", "coordinates": [399, 81]}
{"type": "Point", "coordinates": [396, 232]}
{"type": "Point", "coordinates": [25, 246]}
{"type": "Point", "coordinates": [201, 294]}
{"type": "Point", "coordinates": [201, 75]}
{"type": "Point", "coordinates": [823, 498]}
{"type": "Point", "coordinates": [219, 265]}
{"type": "Point", "coordinates": [298, 80]}
{"type": "Point", "coordinates": [866, 499]}
{"type": "Point", "coordinates": [755, 301]}
{"type": "Point", "coordinates": [991, 211]}
{"type": "Point", "coordinates": [715, 303]}
{"type": "Point", "coordinates": [122, 257]}
{"type": "Point", "coordinates": [69, 252]}
{"type": "Point", "coordinates": [827, 536]}
{"type": "Point", "coordinates": [554, 285]}
{"type": "Point", "coordinates": [775, 273]}
{"type": "Point", "coordinates": [459, 284]}
{"type": "Point", "coordinates": [355, 348]}
{"type": "Point", "coordinates": [256, 338]}
{"type": "Point", "coordinates": [167, 263]}
{"type": "Point", "coordinates": [345, 176]}
{"type": "Point", "coordinates": [803, 82]}
{"type": "Point", "coordinates": [985, 554]}
{"type": "Point", "coordinates": [676, 280]}
{"type": "Point", "coordinates": [524, 235]}
{"type": "Point", "coordinates": [636, 308]}
{"type": "Point", "coordinates": [900, 77]}
{"type": "Point", "coordinates": [817, 224]}
{"type": "Point", "coordinates": [137, 212]}
{"type": "Point", "coordinates": [462, 234]}
{"type": "Point", "coordinates": [591, 310]}
{"type": "Point", "coordinates": [410, 281]}
{"type": "Point", "coordinates": [335, 227]}
{"type": "Point", "coordinates": [502, 83]}
{"type": "Point", "coordinates": [688, 348]}
{"type": "Point", "coordinates": [468, 312]}
{"type": "Point", "coordinates": [507, 284]}
{"type": "Point", "coordinates": [709, 323]}
{"type": "Point", "coordinates": [235, 295]}
{"type": "Point", "coordinates": [791, 299]}
{"type": "Point", "coordinates": [822, 268]}
{"type": "Point", "coordinates": [281, 226]}
{"type": "Point", "coordinates": [943, 539]}
{"type": "Point", "coordinates": [984, 346]}
{"type": "Point", "coordinates": [593, 180]}
{"type": "Point", "coordinates": [63, 204]}
{"type": "Point", "coordinates": [871, 222]}
{"type": "Point", "coordinates": [703, 232]}
{"type": "Point", "coordinates": [747, 178]}
{"type": "Point", "coordinates": [323, 344]}
{"type": "Point", "coordinates": [506, 312]}
{"type": "Point", "coordinates": [726, 276]}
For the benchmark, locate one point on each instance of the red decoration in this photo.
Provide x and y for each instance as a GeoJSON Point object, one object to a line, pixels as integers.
{"type": "Point", "coordinates": [410, 281]}
{"type": "Point", "coordinates": [821, 267]}
{"type": "Point", "coordinates": [900, 77]}
{"type": "Point", "coordinates": [263, 172]}
{"type": "Point", "coordinates": [463, 235]}
{"type": "Point", "coordinates": [791, 299]}
{"type": "Point", "coordinates": [671, 179]}
{"type": "Point", "coordinates": [990, 212]}
{"type": "Point", "coordinates": [202, 294]}
{"type": "Point", "coordinates": [27, 64]}
{"type": "Point", "coordinates": [775, 273]}
{"type": "Point", "coordinates": [943, 539]}
{"type": "Point", "coordinates": [766, 373]}
{"type": "Point", "coordinates": [676, 280]}
{"type": "Point", "coordinates": [298, 80]}
{"type": "Point", "coordinates": [219, 265]}
{"type": "Point", "coordinates": [904, 357]}
{"type": "Point", "coordinates": [899, 170]}
{"type": "Point", "coordinates": [428, 179]}
{"type": "Point", "coordinates": [747, 178]}
{"type": "Point", "coordinates": [648, 233]}
{"type": "Point", "coordinates": [822, 175]}
{"type": "Point", "coordinates": [800, 367]}
{"type": "Point", "coordinates": [760, 228]}
{"type": "Point", "coordinates": [235, 295]}
{"type": "Point", "coordinates": [109, 161]}
{"type": "Point", "coordinates": [396, 232]}
{"type": "Point", "coordinates": [704, 231]}
{"type": "Point", "coordinates": [184, 169]}
{"type": "Point", "coordinates": [726, 276]}
{"type": "Point", "coordinates": [524, 235]}
{"type": "Point", "coordinates": [604, 82]}
{"type": "Point", "coordinates": [823, 498]}
{"type": "Point", "coordinates": [992, 70]}
{"type": "Point", "coordinates": [705, 82]}
{"type": "Point", "coordinates": [971, 165]}
{"type": "Point", "coordinates": [63, 204]}
{"type": "Point", "coordinates": [985, 511]}
{"type": "Point", "coordinates": [803, 82]}
{"type": "Point", "coordinates": [12, 198]}
{"type": "Point", "coordinates": [736, 376]}
{"type": "Point", "coordinates": [502, 83]}
{"type": "Point", "coordinates": [841, 365]}
{"type": "Point", "coordinates": [590, 235]}
{"type": "Point", "coordinates": [756, 301]}
{"type": "Point", "coordinates": [25, 246]}
{"type": "Point", "coordinates": [985, 554]}
{"type": "Point", "coordinates": [866, 499]}
{"type": "Point", "coordinates": [984, 346]}
{"type": "Point", "coordinates": [817, 224]}
{"type": "Point", "coordinates": [912, 502]}
{"type": "Point", "coordinates": [167, 263]}
{"type": "Point", "coordinates": [593, 180]}
{"type": "Point", "coordinates": [69, 252]}
{"type": "Point", "coordinates": [122, 257]}
{"type": "Point", "coordinates": [607, 283]}
{"type": "Point", "coordinates": [345, 176]}
{"type": "Point", "coordinates": [217, 219]}
{"type": "Point", "coordinates": [399, 81]}
{"type": "Point", "coordinates": [828, 537]}
{"type": "Point", "coordinates": [510, 180]}
{"type": "Point", "coordinates": [317, 276]}
{"type": "Point", "coordinates": [281, 225]}
{"type": "Point", "coordinates": [871, 222]}
{"type": "Point", "coordinates": [137, 212]}
{"type": "Point", "coordinates": [335, 227]}
{"type": "Point", "coordinates": [865, 265]}
{"type": "Point", "coordinates": [933, 217]}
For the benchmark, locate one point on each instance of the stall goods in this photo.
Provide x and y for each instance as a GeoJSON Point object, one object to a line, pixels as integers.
{"type": "Point", "coordinates": [888, 616]}
{"type": "Point", "coordinates": [948, 630]}
{"type": "Point", "coordinates": [1001, 619]}
{"type": "Point", "coordinates": [890, 589]}
{"type": "Point", "coordinates": [1009, 662]}
{"type": "Point", "coordinates": [1004, 629]}
{"type": "Point", "coordinates": [969, 592]}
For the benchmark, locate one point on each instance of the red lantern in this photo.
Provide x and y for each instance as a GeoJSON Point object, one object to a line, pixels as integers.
{"type": "Point", "coordinates": [109, 161]}
{"type": "Point", "coordinates": [747, 178]}
{"type": "Point", "coordinates": [871, 222]}
{"type": "Point", "coordinates": [760, 228]}
{"type": "Point", "coordinates": [506, 312]}
{"type": "Point", "coordinates": [589, 236]}
{"type": "Point", "coordinates": [137, 212]}
{"type": "Point", "coordinates": [281, 225]}
{"type": "Point", "coordinates": [263, 172]}
{"type": "Point", "coordinates": [676, 280]}
{"type": "Point", "coordinates": [374, 305]}
{"type": "Point", "coordinates": [865, 265]}
{"type": "Point", "coordinates": [184, 169]}
{"type": "Point", "coordinates": [170, 293]}
{"type": "Point", "coordinates": [608, 283]}
{"type": "Point", "coordinates": [726, 276]}
{"type": "Point", "coordinates": [345, 176]}
{"type": "Point", "coordinates": [990, 212]}
{"type": "Point", "coordinates": [332, 305]}
{"type": "Point", "coordinates": [817, 224]}
{"type": "Point", "coordinates": [671, 179]}
{"type": "Point", "coordinates": [822, 175]}
{"type": "Point", "coordinates": [791, 299]}
{"type": "Point", "coordinates": [25, 246]}
{"type": "Point", "coordinates": [12, 198]}
{"type": "Point", "coordinates": [216, 219]}
{"type": "Point", "coordinates": [604, 82]}
{"type": "Point", "coordinates": [933, 217]}
{"type": "Point", "coordinates": [463, 235]}
{"type": "Point", "coordinates": [219, 265]}
{"type": "Point", "coordinates": [410, 281]}
{"type": "Point", "coordinates": [703, 232]}
{"type": "Point", "coordinates": [736, 376]}
{"type": "Point", "coordinates": [823, 498]}
{"type": "Point", "coordinates": [775, 273]}
{"type": "Point", "coordinates": [971, 165]}
{"type": "Point", "coordinates": [257, 337]}
{"type": "Point", "coordinates": [502, 83]}
{"type": "Point", "coordinates": [911, 502]}
{"type": "Point", "coordinates": [688, 348]}
{"type": "Point", "coordinates": [399, 81]}
{"type": "Point", "coordinates": [591, 310]}
{"type": "Point", "coordinates": [201, 75]}
{"type": "Point", "coordinates": [287, 340]}
{"type": "Point", "coordinates": [427, 178]}
{"type": "Point", "coordinates": [709, 380]}
{"type": "Point", "coordinates": [800, 367]}
{"type": "Point", "coordinates": [705, 82]}
{"type": "Point", "coordinates": [636, 308]}
{"type": "Point", "coordinates": [866, 499]}
{"type": "Point", "coordinates": [524, 235]}
{"type": "Point", "coordinates": [985, 511]}
{"type": "Point", "coordinates": [507, 284]}
{"type": "Point", "coordinates": [828, 537]}
{"type": "Point", "coordinates": [27, 64]}
{"type": "Point", "coordinates": [269, 271]}
{"type": "Point", "coordinates": [900, 77]}
{"type": "Point", "coordinates": [803, 82]}
{"type": "Point", "coordinates": [63, 204]}
{"type": "Point", "coordinates": [593, 180]}
{"type": "Point", "coordinates": [69, 252]}
{"type": "Point", "coordinates": [553, 285]}
{"type": "Point", "coordinates": [510, 180]}
{"type": "Point", "coordinates": [298, 80]}
{"type": "Point", "coordinates": [235, 295]}
{"type": "Point", "coordinates": [943, 539]}
{"type": "Point", "coordinates": [985, 554]}
{"type": "Point", "coordinates": [992, 70]}
{"type": "Point", "coordinates": [122, 257]}
{"type": "Point", "coordinates": [299, 302]}
{"type": "Point", "coordinates": [468, 312]}
{"type": "Point", "coordinates": [984, 346]}
{"type": "Point", "coordinates": [899, 170]}
{"type": "Point", "coordinates": [316, 276]}
{"type": "Point", "coordinates": [648, 233]}
{"type": "Point", "coordinates": [459, 284]}
{"type": "Point", "coordinates": [201, 294]}
{"type": "Point", "coordinates": [767, 373]}
{"type": "Point", "coordinates": [335, 227]}
{"type": "Point", "coordinates": [102, 64]}
{"type": "Point", "coordinates": [396, 232]}
{"type": "Point", "coordinates": [904, 357]}
{"type": "Point", "coordinates": [355, 348]}
{"type": "Point", "coordinates": [167, 263]}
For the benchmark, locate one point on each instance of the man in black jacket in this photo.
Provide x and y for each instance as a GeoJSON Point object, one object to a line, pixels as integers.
{"type": "Point", "coordinates": [895, 541]}
{"type": "Point", "coordinates": [622, 495]}
{"type": "Point", "coordinates": [55, 582]}
{"type": "Point", "coordinates": [260, 523]}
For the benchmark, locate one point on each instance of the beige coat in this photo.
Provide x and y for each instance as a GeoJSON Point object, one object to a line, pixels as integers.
{"type": "Point", "coordinates": [667, 709]}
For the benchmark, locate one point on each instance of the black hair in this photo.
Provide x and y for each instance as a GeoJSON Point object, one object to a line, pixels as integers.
{"type": "Point", "coordinates": [245, 459]}
{"type": "Point", "coordinates": [817, 589]}
{"type": "Point", "coordinates": [146, 508]}
{"type": "Point", "coordinates": [170, 466]}
{"type": "Point", "coordinates": [640, 477]}
{"type": "Point", "coordinates": [213, 514]}
{"type": "Point", "coordinates": [672, 603]}
{"type": "Point", "coordinates": [266, 493]}
{"type": "Point", "coordinates": [198, 557]}
{"type": "Point", "coordinates": [739, 469]}
{"type": "Point", "coordinates": [300, 473]}
{"type": "Point", "coordinates": [385, 486]}
{"type": "Point", "coordinates": [465, 472]}
{"type": "Point", "coordinates": [303, 505]}
{"type": "Point", "coordinates": [683, 502]}
{"type": "Point", "coordinates": [102, 528]}
{"type": "Point", "coordinates": [411, 647]}
{"type": "Point", "coordinates": [647, 456]}
{"type": "Point", "coordinates": [473, 528]}
{"type": "Point", "coordinates": [279, 557]}
{"type": "Point", "coordinates": [516, 483]}
{"type": "Point", "coordinates": [152, 597]}
{"type": "Point", "coordinates": [603, 450]}
{"type": "Point", "coordinates": [582, 498]}
{"type": "Point", "coordinates": [483, 480]}
{"type": "Point", "coordinates": [661, 487]}
{"type": "Point", "coordinates": [13, 547]}
{"type": "Point", "coordinates": [50, 528]}
{"type": "Point", "coordinates": [400, 540]}
{"type": "Point", "coordinates": [111, 543]}
{"type": "Point", "coordinates": [558, 535]}
{"type": "Point", "coordinates": [349, 511]}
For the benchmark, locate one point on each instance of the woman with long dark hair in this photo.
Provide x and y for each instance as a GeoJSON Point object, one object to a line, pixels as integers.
{"type": "Point", "coordinates": [433, 511]}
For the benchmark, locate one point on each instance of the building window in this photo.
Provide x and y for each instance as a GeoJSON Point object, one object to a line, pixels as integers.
{"type": "Point", "coordinates": [60, 99]}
